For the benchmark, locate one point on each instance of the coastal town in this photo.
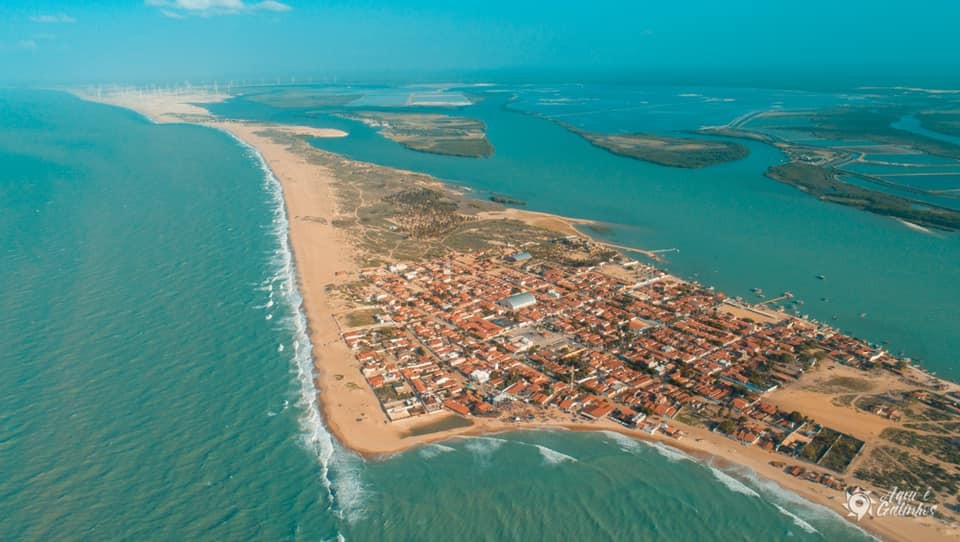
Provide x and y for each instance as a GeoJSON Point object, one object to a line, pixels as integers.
{"type": "Point", "coordinates": [431, 271]}
{"type": "Point", "coordinates": [502, 334]}
{"type": "Point", "coordinates": [435, 315]}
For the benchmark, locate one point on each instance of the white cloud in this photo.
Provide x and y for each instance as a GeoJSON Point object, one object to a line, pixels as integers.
{"type": "Point", "coordinates": [178, 9]}
{"type": "Point", "coordinates": [28, 45]}
{"type": "Point", "coordinates": [272, 5]}
{"type": "Point", "coordinates": [53, 19]}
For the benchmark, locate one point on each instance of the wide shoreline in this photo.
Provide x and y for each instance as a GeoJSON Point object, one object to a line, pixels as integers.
{"type": "Point", "coordinates": [322, 253]}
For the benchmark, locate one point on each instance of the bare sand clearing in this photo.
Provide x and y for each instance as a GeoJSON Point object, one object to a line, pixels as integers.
{"type": "Point", "coordinates": [814, 393]}
{"type": "Point", "coordinates": [559, 224]}
{"type": "Point", "coordinates": [253, 129]}
{"type": "Point", "coordinates": [752, 313]}
{"type": "Point", "coordinates": [324, 255]}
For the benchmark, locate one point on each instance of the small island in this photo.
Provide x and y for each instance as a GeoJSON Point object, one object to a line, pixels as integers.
{"type": "Point", "coordinates": [429, 132]}
{"type": "Point", "coordinates": [691, 153]}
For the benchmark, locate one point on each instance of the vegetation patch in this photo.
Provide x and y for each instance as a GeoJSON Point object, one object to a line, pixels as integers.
{"type": "Point", "coordinates": [692, 153]}
{"type": "Point", "coordinates": [945, 122]}
{"type": "Point", "coordinates": [425, 213]}
{"type": "Point", "coordinates": [427, 132]}
{"type": "Point", "coordinates": [822, 182]}
{"type": "Point", "coordinates": [832, 449]}
{"type": "Point", "coordinates": [362, 317]}
{"type": "Point", "coordinates": [890, 467]}
{"type": "Point", "coordinates": [944, 448]}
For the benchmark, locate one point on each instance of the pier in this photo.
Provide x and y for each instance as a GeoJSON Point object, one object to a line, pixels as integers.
{"type": "Point", "coordinates": [652, 254]}
{"type": "Point", "coordinates": [784, 297]}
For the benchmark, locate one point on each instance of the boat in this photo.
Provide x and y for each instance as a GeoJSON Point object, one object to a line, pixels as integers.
{"type": "Point", "coordinates": [821, 277]}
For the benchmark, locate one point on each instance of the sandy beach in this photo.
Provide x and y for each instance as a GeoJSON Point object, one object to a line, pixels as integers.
{"type": "Point", "coordinates": [324, 256]}
{"type": "Point", "coordinates": [158, 107]}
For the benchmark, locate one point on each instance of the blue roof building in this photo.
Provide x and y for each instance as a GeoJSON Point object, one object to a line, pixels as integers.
{"type": "Point", "coordinates": [519, 301]}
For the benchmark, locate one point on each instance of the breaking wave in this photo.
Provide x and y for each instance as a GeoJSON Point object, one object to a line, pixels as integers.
{"type": "Point", "coordinates": [732, 483]}
{"type": "Point", "coordinates": [433, 450]}
{"type": "Point", "coordinates": [339, 470]}
{"type": "Point", "coordinates": [632, 445]}
{"type": "Point", "coordinates": [483, 446]}
{"type": "Point", "coordinates": [799, 522]}
{"type": "Point", "coordinates": [625, 443]}
{"type": "Point", "coordinates": [777, 494]}
{"type": "Point", "coordinates": [671, 454]}
{"type": "Point", "coordinates": [553, 457]}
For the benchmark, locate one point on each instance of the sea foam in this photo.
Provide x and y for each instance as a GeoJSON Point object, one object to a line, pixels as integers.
{"type": "Point", "coordinates": [732, 483]}
{"type": "Point", "coordinates": [483, 446]}
{"type": "Point", "coordinates": [433, 450]}
{"type": "Point", "coordinates": [632, 445]}
{"type": "Point", "coordinates": [625, 443]}
{"type": "Point", "coordinates": [797, 520]}
{"type": "Point", "coordinates": [553, 457]}
{"type": "Point", "coordinates": [772, 491]}
{"type": "Point", "coordinates": [339, 470]}
{"type": "Point", "coordinates": [671, 454]}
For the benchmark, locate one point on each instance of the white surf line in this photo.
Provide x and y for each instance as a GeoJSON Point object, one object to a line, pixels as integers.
{"type": "Point", "coordinates": [549, 455]}
{"type": "Point", "coordinates": [755, 485]}
{"type": "Point", "coordinates": [344, 488]}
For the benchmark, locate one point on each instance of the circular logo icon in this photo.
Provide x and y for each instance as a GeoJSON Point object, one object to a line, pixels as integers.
{"type": "Point", "coordinates": [858, 504]}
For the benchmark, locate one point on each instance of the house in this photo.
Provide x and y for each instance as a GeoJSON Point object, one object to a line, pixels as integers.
{"type": "Point", "coordinates": [597, 411]}
{"type": "Point", "coordinates": [671, 431]}
{"type": "Point", "coordinates": [457, 407]}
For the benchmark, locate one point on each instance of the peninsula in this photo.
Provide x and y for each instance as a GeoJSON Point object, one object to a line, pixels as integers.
{"type": "Point", "coordinates": [828, 171]}
{"type": "Point", "coordinates": [434, 314]}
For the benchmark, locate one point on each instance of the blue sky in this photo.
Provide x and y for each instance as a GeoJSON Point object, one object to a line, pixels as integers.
{"type": "Point", "coordinates": [170, 40]}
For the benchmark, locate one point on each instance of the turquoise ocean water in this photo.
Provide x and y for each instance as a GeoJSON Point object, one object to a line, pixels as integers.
{"type": "Point", "coordinates": [152, 353]}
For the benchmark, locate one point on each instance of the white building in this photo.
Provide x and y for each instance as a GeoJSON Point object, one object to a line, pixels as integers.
{"type": "Point", "coordinates": [480, 377]}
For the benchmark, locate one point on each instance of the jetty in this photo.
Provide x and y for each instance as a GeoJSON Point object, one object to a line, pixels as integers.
{"type": "Point", "coordinates": [652, 254]}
